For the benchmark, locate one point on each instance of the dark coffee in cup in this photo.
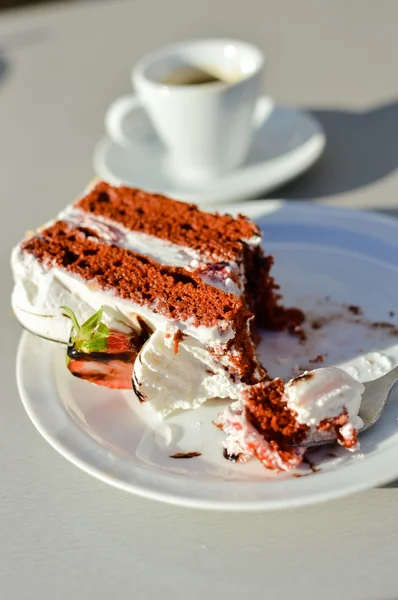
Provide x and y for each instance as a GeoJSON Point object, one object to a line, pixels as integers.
{"type": "Point", "coordinates": [191, 75]}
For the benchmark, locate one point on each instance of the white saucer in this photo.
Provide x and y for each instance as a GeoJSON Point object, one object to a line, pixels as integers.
{"type": "Point", "coordinates": [286, 143]}
{"type": "Point", "coordinates": [348, 256]}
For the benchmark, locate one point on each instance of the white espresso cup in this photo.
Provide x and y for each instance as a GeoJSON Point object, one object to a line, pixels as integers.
{"type": "Point", "coordinates": [200, 97]}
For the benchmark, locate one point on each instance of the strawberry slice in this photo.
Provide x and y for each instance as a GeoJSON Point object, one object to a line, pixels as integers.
{"type": "Point", "coordinates": [112, 367]}
{"type": "Point", "coordinates": [114, 374]}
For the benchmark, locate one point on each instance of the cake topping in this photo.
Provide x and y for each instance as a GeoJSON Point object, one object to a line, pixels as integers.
{"type": "Point", "coordinates": [111, 367]}
{"type": "Point", "coordinates": [91, 336]}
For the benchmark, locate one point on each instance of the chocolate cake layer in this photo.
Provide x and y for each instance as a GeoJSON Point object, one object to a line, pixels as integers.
{"type": "Point", "coordinates": [220, 237]}
{"type": "Point", "coordinates": [268, 412]}
{"type": "Point", "coordinates": [175, 292]}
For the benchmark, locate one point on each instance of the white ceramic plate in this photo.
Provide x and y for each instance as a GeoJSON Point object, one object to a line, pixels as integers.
{"type": "Point", "coordinates": [286, 142]}
{"type": "Point", "coordinates": [325, 259]}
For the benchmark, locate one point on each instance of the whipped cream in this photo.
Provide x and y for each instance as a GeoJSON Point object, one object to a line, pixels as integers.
{"type": "Point", "coordinates": [184, 380]}
{"type": "Point", "coordinates": [240, 434]}
{"type": "Point", "coordinates": [324, 394]}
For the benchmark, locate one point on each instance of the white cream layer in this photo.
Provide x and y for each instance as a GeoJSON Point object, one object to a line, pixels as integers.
{"type": "Point", "coordinates": [182, 380]}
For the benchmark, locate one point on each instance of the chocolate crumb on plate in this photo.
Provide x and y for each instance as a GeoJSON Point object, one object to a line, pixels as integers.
{"type": "Point", "coordinates": [382, 325]}
{"type": "Point", "coordinates": [318, 359]}
{"type": "Point", "coordinates": [355, 310]}
{"type": "Point", "coordinates": [185, 454]}
{"type": "Point", "coordinates": [314, 468]}
{"type": "Point", "coordinates": [391, 327]}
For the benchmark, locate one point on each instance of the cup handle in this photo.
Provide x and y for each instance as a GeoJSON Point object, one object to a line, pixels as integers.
{"type": "Point", "coordinates": [116, 122]}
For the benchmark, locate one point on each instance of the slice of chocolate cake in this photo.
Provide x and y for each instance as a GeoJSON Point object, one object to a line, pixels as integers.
{"type": "Point", "coordinates": [181, 285]}
{"type": "Point", "coordinates": [224, 251]}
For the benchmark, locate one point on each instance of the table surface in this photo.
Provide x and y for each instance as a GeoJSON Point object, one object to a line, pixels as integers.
{"type": "Point", "coordinates": [63, 534]}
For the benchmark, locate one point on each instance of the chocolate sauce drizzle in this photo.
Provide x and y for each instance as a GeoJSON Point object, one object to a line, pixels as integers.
{"type": "Point", "coordinates": [231, 457]}
{"type": "Point", "coordinates": [185, 455]}
{"type": "Point", "coordinates": [136, 384]}
{"type": "Point", "coordinates": [104, 357]}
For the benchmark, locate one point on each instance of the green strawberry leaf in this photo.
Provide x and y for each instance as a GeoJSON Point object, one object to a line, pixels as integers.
{"type": "Point", "coordinates": [72, 317]}
{"type": "Point", "coordinates": [96, 344]}
{"type": "Point", "coordinates": [92, 335]}
{"type": "Point", "coordinates": [93, 321]}
{"type": "Point", "coordinates": [103, 329]}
